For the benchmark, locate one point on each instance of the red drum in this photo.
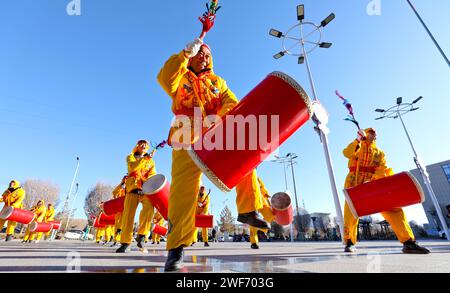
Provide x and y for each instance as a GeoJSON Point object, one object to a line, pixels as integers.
{"type": "Point", "coordinates": [40, 227]}
{"type": "Point", "coordinates": [157, 189]}
{"type": "Point", "coordinates": [106, 220]}
{"type": "Point", "coordinates": [282, 208]}
{"type": "Point", "coordinates": [114, 206]}
{"type": "Point", "coordinates": [56, 224]}
{"type": "Point", "coordinates": [384, 194]}
{"type": "Point", "coordinates": [17, 215]}
{"type": "Point", "coordinates": [97, 224]}
{"type": "Point", "coordinates": [160, 230]}
{"type": "Point", "coordinates": [204, 221]}
{"type": "Point", "coordinates": [274, 110]}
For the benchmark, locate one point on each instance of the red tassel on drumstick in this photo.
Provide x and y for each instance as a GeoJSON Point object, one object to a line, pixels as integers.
{"type": "Point", "coordinates": [208, 18]}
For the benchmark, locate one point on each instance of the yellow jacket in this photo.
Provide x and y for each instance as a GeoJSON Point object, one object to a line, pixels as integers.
{"type": "Point", "coordinates": [39, 211]}
{"type": "Point", "coordinates": [49, 214]}
{"type": "Point", "coordinates": [264, 192]}
{"type": "Point", "coordinates": [139, 170]}
{"type": "Point", "coordinates": [119, 191]}
{"type": "Point", "coordinates": [206, 91]}
{"type": "Point", "coordinates": [203, 204]}
{"type": "Point", "coordinates": [15, 196]}
{"type": "Point", "coordinates": [366, 163]}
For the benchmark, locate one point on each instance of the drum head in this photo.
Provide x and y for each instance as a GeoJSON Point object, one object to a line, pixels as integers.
{"type": "Point", "coordinates": [6, 212]}
{"type": "Point", "coordinates": [281, 201]}
{"type": "Point", "coordinates": [33, 226]}
{"type": "Point", "coordinates": [154, 184]}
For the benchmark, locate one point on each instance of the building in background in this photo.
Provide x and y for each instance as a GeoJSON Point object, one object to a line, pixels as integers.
{"type": "Point", "coordinates": [440, 181]}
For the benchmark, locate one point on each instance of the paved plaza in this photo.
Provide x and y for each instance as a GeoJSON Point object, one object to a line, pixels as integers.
{"type": "Point", "coordinates": [225, 257]}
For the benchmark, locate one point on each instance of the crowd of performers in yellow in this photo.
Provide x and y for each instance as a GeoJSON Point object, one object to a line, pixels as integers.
{"type": "Point", "coordinates": [14, 197]}
{"type": "Point", "coordinates": [188, 78]}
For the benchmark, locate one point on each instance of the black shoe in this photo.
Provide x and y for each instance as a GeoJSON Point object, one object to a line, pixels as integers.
{"type": "Point", "coordinates": [153, 242]}
{"type": "Point", "coordinates": [206, 244]}
{"type": "Point", "coordinates": [157, 243]}
{"type": "Point", "coordinates": [350, 247]}
{"type": "Point", "coordinates": [253, 220]}
{"type": "Point", "coordinates": [8, 238]}
{"type": "Point", "coordinates": [413, 247]}
{"type": "Point", "coordinates": [114, 244]}
{"type": "Point", "coordinates": [174, 260]}
{"type": "Point", "coordinates": [123, 248]}
{"type": "Point", "coordinates": [139, 240]}
{"type": "Point", "coordinates": [254, 246]}
{"type": "Point", "coordinates": [192, 243]}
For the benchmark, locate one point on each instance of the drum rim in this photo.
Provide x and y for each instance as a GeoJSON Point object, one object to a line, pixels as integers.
{"type": "Point", "coordinates": [298, 88]}
{"type": "Point", "coordinates": [286, 208]}
{"type": "Point", "coordinates": [418, 186]}
{"type": "Point", "coordinates": [208, 172]}
{"type": "Point", "coordinates": [349, 202]}
{"type": "Point", "coordinates": [159, 188]}
{"type": "Point", "coordinates": [6, 209]}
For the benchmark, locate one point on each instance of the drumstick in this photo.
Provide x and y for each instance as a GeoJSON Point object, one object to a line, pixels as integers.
{"type": "Point", "coordinates": [350, 110]}
{"type": "Point", "coordinates": [208, 18]}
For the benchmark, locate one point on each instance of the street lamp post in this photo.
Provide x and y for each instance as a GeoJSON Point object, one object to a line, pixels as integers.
{"type": "Point", "coordinates": [66, 204]}
{"type": "Point", "coordinates": [429, 33]}
{"type": "Point", "coordinates": [398, 111]}
{"type": "Point", "coordinates": [320, 116]}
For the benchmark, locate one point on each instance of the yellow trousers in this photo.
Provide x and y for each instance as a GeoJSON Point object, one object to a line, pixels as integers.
{"type": "Point", "coordinates": [31, 235]}
{"type": "Point", "coordinates": [9, 227]}
{"type": "Point", "coordinates": [129, 211]}
{"type": "Point", "coordinates": [156, 237]}
{"type": "Point", "coordinates": [184, 189]}
{"type": "Point", "coordinates": [204, 235]}
{"type": "Point", "coordinates": [118, 225]}
{"type": "Point", "coordinates": [109, 232]}
{"type": "Point", "coordinates": [395, 217]}
{"type": "Point", "coordinates": [100, 233]}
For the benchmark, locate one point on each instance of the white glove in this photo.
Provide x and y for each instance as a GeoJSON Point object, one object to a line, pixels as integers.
{"type": "Point", "coordinates": [200, 205]}
{"type": "Point", "coordinates": [192, 48]}
{"type": "Point", "coordinates": [361, 135]}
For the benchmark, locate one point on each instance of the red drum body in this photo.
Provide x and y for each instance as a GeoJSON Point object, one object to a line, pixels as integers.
{"type": "Point", "coordinates": [114, 206]}
{"type": "Point", "coordinates": [106, 220]}
{"type": "Point", "coordinates": [204, 221]}
{"type": "Point", "coordinates": [160, 230]}
{"type": "Point", "coordinates": [282, 208]}
{"type": "Point", "coordinates": [40, 227]}
{"type": "Point", "coordinates": [384, 194]}
{"type": "Point", "coordinates": [56, 225]}
{"type": "Point", "coordinates": [17, 215]}
{"type": "Point", "coordinates": [157, 189]}
{"type": "Point", "coordinates": [97, 224]}
{"type": "Point", "coordinates": [251, 131]}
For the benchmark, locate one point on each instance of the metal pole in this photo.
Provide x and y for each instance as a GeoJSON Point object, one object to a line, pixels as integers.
{"type": "Point", "coordinates": [426, 180]}
{"type": "Point", "coordinates": [285, 177]}
{"type": "Point", "coordinates": [70, 190]}
{"type": "Point", "coordinates": [295, 190]}
{"type": "Point", "coordinates": [429, 32]}
{"type": "Point", "coordinates": [324, 140]}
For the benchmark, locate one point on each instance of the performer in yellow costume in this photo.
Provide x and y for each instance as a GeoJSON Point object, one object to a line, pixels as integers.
{"type": "Point", "coordinates": [140, 167]}
{"type": "Point", "coordinates": [39, 210]}
{"type": "Point", "coordinates": [12, 197]}
{"type": "Point", "coordinates": [188, 78]}
{"type": "Point", "coordinates": [202, 209]}
{"type": "Point", "coordinates": [157, 220]}
{"type": "Point", "coordinates": [49, 216]}
{"type": "Point", "coordinates": [119, 191]}
{"type": "Point", "coordinates": [266, 212]}
{"type": "Point", "coordinates": [366, 163]}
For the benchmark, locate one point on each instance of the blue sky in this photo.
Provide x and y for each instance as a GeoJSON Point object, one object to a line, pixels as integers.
{"type": "Point", "coordinates": [86, 85]}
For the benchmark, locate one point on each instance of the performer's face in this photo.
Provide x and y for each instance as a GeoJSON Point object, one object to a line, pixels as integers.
{"type": "Point", "coordinates": [371, 136]}
{"type": "Point", "coordinates": [201, 61]}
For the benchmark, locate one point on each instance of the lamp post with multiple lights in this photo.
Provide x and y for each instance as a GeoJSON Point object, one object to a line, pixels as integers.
{"type": "Point", "coordinates": [398, 111]}
{"type": "Point", "coordinates": [320, 116]}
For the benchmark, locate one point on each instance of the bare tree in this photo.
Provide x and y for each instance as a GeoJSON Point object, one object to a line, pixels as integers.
{"type": "Point", "coordinates": [38, 189]}
{"type": "Point", "coordinates": [99, 193]}
{"type": "Point", "coordinates": [226, 223]}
